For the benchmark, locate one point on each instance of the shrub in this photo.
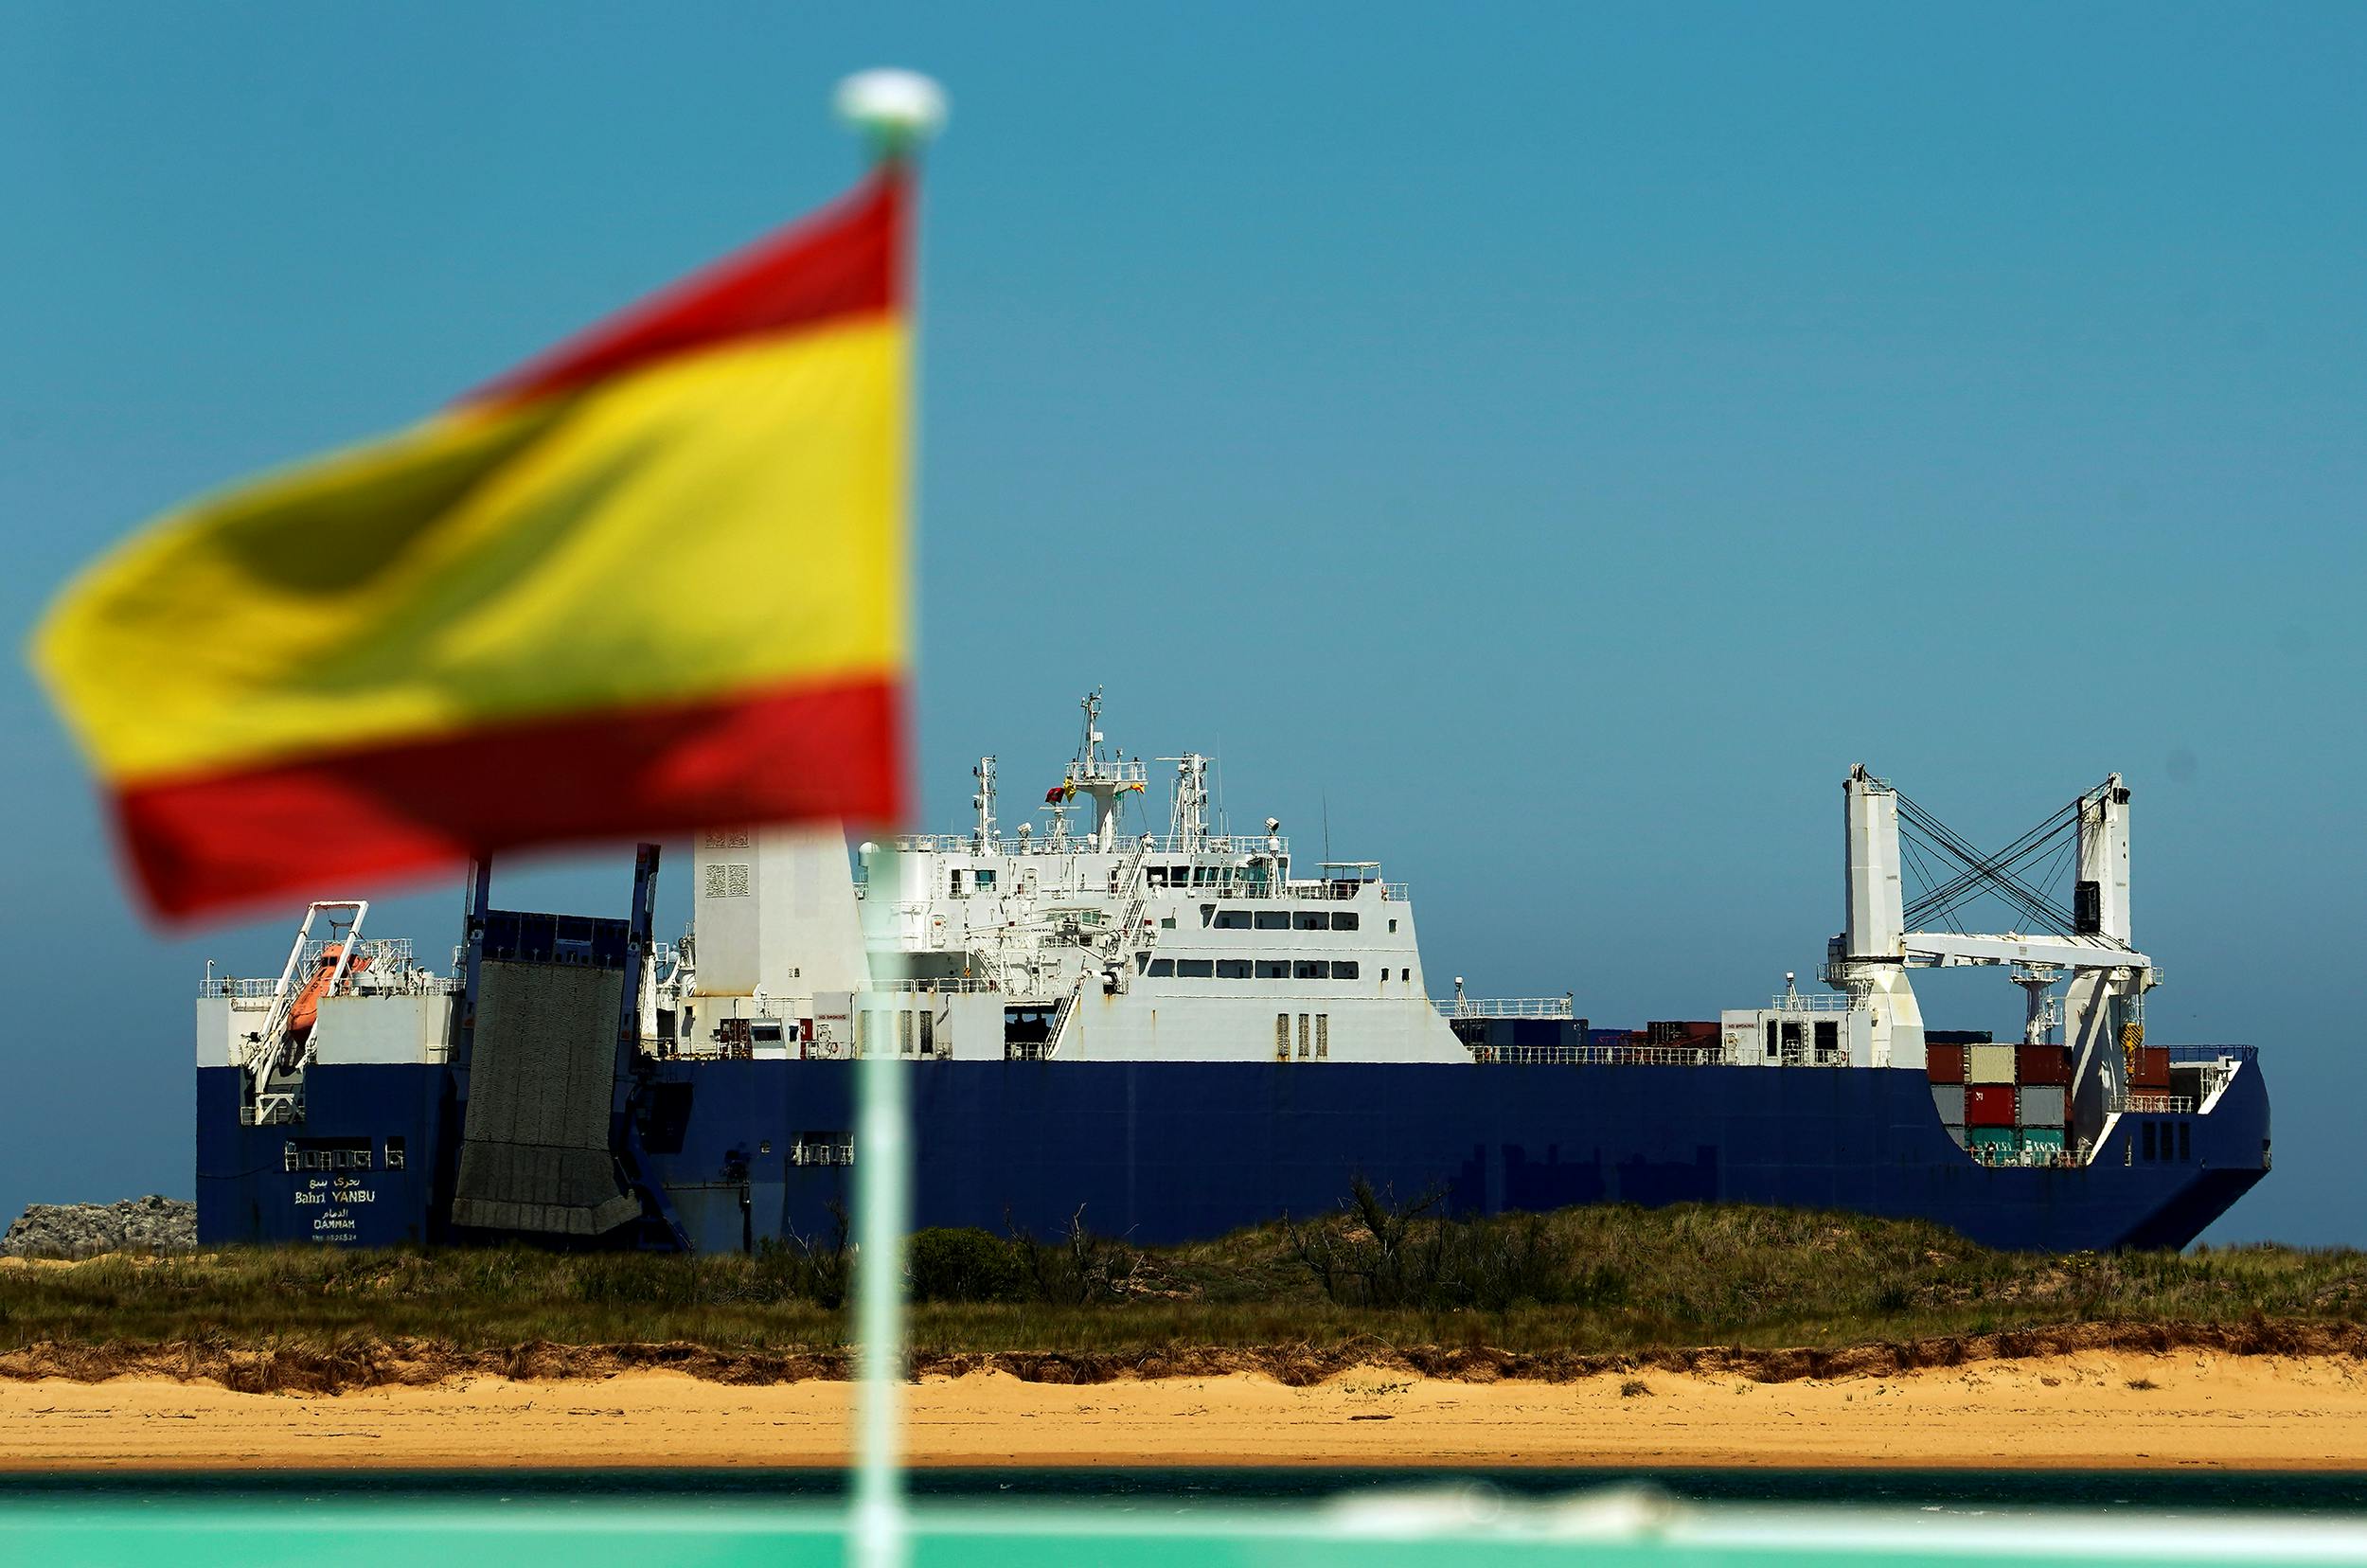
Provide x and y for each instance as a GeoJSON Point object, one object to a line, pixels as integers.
{"type": "Point", "coordinates": [963, 1265]}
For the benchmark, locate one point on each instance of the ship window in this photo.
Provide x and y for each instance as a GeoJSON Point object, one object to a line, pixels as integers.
{"type": "Point", "coordinates": [290, 1158]}
{"type": "Point", "coordinates": [1156, 876]}
{"type": "Point", "coordinates": [982, 880]}
{"type": "Point", "coordinates": [1827, 1039]}
{"type": "Point", "coordinates": [2185, 1144]}
{"type": "Point", "coordinates": [765, 1033]}
{"type": "Point", "coordinates": [1207, 914]}
{"type": "Point", "coordinates": [1273, 968]}
{"type": "Point", "coordinates": [1344, 920]}
{"type": "Point", "coordinates": [1771, 1050]}
{"type": "Point", "coordinates": [1203, 876]}
{"type": "Point", "coordinates": [393, 1153]}
{"type": "Point", "coordinates": [822, 1149]}
{"type": "Point", "coordinates": [1282, 1037]}
{"type": "Point", "coordinates": [1181, 875]}
{"type": "Point", "coordinates": [1311, 919]}
{"type": "Point", "coordinates": [1322, 1034]}
{"type": "Point", "coordinates": [1232, 969]}
{"type": "Point", "coordinates": [957, 881]}
{"type": "Point", "coordinates": [1405, 974]}
{"type": "Point", "coordinates": [1344, 969]}
{"type": "Point", "coordinates": [2148, 1137]}
{"type": "Point", "coordinates": [1393, 928]}
{"type": "Point", "coordinates": [1310, 969]}
{"type": "Point", "coordinates": [1163, 968]}
{"type": "Point", "coordinates": [1194, 968]}
{"type": "Point", "coordinates": [1142, 962]}
{"type": "Point", "coordinates": [1273, 919]}
{"type": "Point", "coordinates": [1232, 919]}
{"type": "Point", "coordinates": [1303, 1039]}
{"type": "Point", "coordinates": [1166, 922]}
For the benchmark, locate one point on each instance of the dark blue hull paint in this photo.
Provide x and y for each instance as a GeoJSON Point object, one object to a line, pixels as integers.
{"type": "Point", "coordinates": [1166, 1151]}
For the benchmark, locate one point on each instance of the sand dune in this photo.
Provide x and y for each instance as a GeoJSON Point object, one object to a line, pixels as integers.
{"type": "Point", "coordinates": [2201, 1409]}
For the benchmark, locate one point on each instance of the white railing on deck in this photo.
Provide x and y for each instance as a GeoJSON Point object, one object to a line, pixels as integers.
{"type": "Point", "coordinates": [1813, 1002]}
{"type": "Point", "coordinates": [1082, 844]}
{"type": "Point", "coordinates": [1600, 1056]}
{"type": "Point", "coordinates": [1505, 1006]}
{"type": "Point", "coordinates": [2148, 1102]}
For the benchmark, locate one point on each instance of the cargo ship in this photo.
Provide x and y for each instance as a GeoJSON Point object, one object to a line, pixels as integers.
{"type": "Point", "coordinates": [1170, 1034]}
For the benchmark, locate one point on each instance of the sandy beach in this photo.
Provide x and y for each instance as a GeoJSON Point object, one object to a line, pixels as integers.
{"type": "Point", "coordinates": [2092, 1410]}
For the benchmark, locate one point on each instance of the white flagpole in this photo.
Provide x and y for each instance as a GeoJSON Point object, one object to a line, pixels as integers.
{"type": "Point", "coordinates": [897, 111]}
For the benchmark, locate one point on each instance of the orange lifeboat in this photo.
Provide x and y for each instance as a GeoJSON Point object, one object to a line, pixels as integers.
{"type": "Point", "coordinates": [308, 1003]}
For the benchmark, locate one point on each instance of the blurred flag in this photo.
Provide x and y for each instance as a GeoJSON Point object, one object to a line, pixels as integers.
{"type": "Point", "coordinates": [651, 581]}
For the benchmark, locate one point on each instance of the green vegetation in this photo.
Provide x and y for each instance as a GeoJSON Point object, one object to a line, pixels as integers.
{"type": "Point", "coordinates": [1388, 1278]}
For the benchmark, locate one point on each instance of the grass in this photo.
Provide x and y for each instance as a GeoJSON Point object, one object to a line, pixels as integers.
{"type": "Point", "coordinates": [1596, 1280]}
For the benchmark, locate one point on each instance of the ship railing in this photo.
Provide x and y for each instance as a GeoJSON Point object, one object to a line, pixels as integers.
{"type": "Point", "coordinates": [2071, 1157]}
{"type": "Point", "coordinates": [1395, 893]}
{"type": "Point", "coordinates": [950, 984]}
{"type": "Point", "coordinates": [2213, 1053]}
{"type": "Point", "coordinates": [244, 995]}
{"type": "Point", "coordinates": [1599, 1055]}
{"type": "Point", "coordinates": [1813, 1002]}
{"type": "Point", "coordinates": [1505, 1006]}
{"type": "Point", "coordinates": [2145, 1103]}
{"type": "Point", "coordinates": [1231, 844]}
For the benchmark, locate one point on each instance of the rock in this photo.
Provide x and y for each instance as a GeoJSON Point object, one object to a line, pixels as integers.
{"type": "Point", "coordinates": [149, 1224]}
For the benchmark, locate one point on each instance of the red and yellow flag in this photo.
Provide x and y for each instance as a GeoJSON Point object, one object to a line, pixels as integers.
{"type": "Point", "coordinates": [651, 581]}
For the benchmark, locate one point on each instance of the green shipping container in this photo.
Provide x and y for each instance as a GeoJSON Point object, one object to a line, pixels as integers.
{"type": "Point", "coordinates": [2001, 1140]}
{"type": "Point", "coordinates": [2043, 1140]}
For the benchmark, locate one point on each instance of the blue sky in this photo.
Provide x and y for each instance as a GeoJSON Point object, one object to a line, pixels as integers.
{"type": "Point", "coordinates": [1552, 444]}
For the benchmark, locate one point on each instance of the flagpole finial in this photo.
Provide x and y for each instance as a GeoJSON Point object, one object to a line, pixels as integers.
{"type": "Point", "coordinates": [897, 110]}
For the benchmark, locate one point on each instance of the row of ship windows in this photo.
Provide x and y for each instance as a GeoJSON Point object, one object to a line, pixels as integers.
{"type": "Point", "coordinates": [1262, 969]}
{"type": "Point", "coordinates": [1283, 920]}
{"type": "Point", "coordinates": [303, 1156]}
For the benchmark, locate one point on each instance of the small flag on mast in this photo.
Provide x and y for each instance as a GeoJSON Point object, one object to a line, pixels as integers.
{"type": "Point", "coordinates": [652, 580]}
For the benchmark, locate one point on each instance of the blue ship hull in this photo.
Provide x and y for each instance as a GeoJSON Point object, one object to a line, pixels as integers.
{"type": "Point", "coordinates": [1168, 1151]}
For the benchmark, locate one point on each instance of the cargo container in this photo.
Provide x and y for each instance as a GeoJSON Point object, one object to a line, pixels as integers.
{"type": "Point", "coordinates": [2041, 1144]}
{"type": "Point", "coordinates": [2152, 1068]}
{"type": "Point", "coordinates": [2042, 1105]}
{"type": "Point", "coordinates": [1950, 1098]}
{"type": "Point", "coordinates": [1944, 1063]}
{"type": "Point", "coordinates": [1989, 1104]}
{"type": "Point", "coordinates": [2042, 1063]}
{"type": "Point", "coordinates": [1999, 1143]}
{"type": "Point", "coordinates": [1990, 1064]}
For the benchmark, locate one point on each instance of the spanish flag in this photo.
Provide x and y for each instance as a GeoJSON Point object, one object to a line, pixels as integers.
{"type": "Point", "coordinates": [650, 581]}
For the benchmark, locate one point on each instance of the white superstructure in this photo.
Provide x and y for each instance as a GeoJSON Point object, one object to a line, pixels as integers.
{"type": "Point", "coordinates": [1089, 937]}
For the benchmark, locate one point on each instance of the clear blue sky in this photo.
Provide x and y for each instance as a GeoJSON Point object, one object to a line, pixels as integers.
{"type": "Point", "coordinates": [1555, 443]}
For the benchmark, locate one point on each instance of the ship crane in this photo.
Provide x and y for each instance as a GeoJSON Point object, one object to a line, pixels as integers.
{"type": "Point", "coordinates": [2090, 940]}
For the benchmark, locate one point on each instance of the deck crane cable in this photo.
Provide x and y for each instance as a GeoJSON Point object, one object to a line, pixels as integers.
{"type": "Point", "coordinates": [1925, 875]}
{"type": "Point", "coordinates": [1996, 873]}
{"type": "Point", "coordinates": [1991, 872]}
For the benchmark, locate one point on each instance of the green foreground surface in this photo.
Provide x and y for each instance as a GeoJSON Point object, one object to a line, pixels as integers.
{"type": "Point", "coordinates": [1609, 1530]}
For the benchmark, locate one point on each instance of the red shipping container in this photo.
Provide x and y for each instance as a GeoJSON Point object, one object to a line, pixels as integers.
{"type": "Point", "coordinates": [2042, 1063]}
{"type": "Point", "coordinates": [1944, 1063]}
{"type": "Point", "coordinates": [2153, 1067]}
{"type": "Point", "coordinates": [1989, 1105]}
